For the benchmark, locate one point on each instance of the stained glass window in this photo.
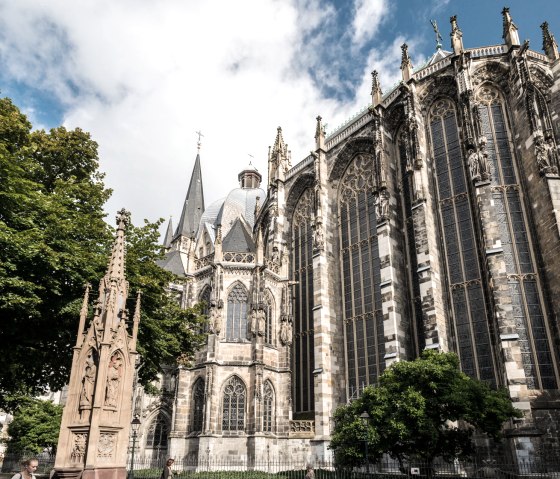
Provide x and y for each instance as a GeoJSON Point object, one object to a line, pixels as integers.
{"type": "Point", "coordinates": [233, 410]}
{"type": "Point", "coordinates": [302, 273]}
{"type": "Point", "coordinates": [236, 327]}
{"type": "Point", "coordinates": [198, 405]}
{"type": "Point", "coordinates": [469, 315]}
{"type": "Point", "coordinates": [361, 273]}
{"type": "Point", "coordinates": [523, 277]}
{"type": "Point", "coordinates": [268, 407]}
{"type": "Point", "coordinates": [158, 432]}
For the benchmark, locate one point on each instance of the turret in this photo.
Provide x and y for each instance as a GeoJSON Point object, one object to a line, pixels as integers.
{"type": "Point", "coordinates": [550, 46]}
{"type": "Point", "coordinates": [510, 33]}
{"type": "Point", "coordinates": [406, 64]}
{"type": "Point", "coordinates": [376, 93]}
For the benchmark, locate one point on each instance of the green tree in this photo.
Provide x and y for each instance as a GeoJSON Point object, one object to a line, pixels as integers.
{"type": "Point", "coordinates": [35, 426]}
{"type": "Point", "coordinates": [53, 240]}
{"type": "Point", "coordinates": [420, 410]}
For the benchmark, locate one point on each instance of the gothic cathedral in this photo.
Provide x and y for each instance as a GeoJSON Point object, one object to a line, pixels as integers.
{"type": "Point", "coordinates": [430, 220]}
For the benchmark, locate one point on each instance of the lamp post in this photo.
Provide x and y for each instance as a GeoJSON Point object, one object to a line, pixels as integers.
{"type": "Point", "coordinates": [365, 421]}
{"type": "Point", "coordinates": [135, 425]}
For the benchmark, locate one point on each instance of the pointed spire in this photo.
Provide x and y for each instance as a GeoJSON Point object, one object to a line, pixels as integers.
{"type": "Point", "coordinates": [168, 234]}
{"type": "Point", "coordinates": [194, 204]}
{"type": "Point", "coordinates": [117, 260]}
{"type": "Point", "coordinates": [406, 64]}
{"type": "Point", "coordinates": [550, 46]}
{"type": "Point", "coordinates": [279, 145]}
{"type": "Point", "coordinates": [376, 93]}
{"type": "Point", "coordinates": [510, 33]}
{"type": "Point", "coordinates": [319, 134]}
{"type": "Point", "coordinates": [135, 322]}
{"type": "Point", "coordinates": [83, 315]}
{"type": "Point", "coordinates": [456, 36]}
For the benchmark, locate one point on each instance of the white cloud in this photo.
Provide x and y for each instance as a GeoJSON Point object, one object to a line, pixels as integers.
{"type": "Point", "coordinates": [368, 15]}
{"type": "Point", "coordinates": [144, 76]}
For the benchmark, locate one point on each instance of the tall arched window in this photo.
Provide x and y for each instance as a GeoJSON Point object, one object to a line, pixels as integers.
{"type": "Point", "coordinates": [269, 312]}
{"type": "Point", "coordinates": [236, 327]}
{"type": "Point", "coordinates": [522, 274]}
{"type": "Point", "coordinates": [303, 361]}
{"type": "Point", "coordinates": [361, 296]}
{"type": "Point", "coordinates": [204, 298]}
{"type": "Point", "coordinates": [268, 407]}
{"type": "Point", "coordinates": [468, 304]}
{"type": "Point", "coordinates": [158, 432]}
{"type": "Point", "coordinates": [233, 408]}
{"type": "Point", "coordinates": [198, 405]}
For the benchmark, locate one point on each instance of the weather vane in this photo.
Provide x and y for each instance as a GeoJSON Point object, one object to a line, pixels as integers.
{"type": "Point", "coordinates": [198, 143]}
{"type": "Point", "coordinates": [439, 39]}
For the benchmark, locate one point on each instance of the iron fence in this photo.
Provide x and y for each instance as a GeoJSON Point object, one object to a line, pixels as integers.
{"type": "Point", "coordinates": [209, 467]}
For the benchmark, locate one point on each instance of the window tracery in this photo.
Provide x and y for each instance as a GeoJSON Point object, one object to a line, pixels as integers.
{"type": "Point", "coordinates": [268, 407]}
{"type": "Point", "coordinates": [302, 274]}
{"type": "Point", "coordinates": [361, 274]}
{"type": "Point", "coordinates": [233, 408]}
{"type": "Point", "coordinates": [198, 405]}
{"type": "Point", "coordinates": [237, 304]}
{"type": "Point", "coordinates": [523, 280]}
{"type": "Point", "coordinates": [158, 432]}
{"type": "Point", "coordinates": [468, 307]}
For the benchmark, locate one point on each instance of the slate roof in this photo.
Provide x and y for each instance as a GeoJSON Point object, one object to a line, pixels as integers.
{"type": "Point", "coordinates": [173, 262]}
{"type": "Point", "coordinates": [194, 204]}
{"type": "Point", "coordinates": [238, 240]}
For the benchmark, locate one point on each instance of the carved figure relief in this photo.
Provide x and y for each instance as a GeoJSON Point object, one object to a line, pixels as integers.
{"type": "Point", "coordinates": [261, 322]}
{"type": "Point", "coordinates": [319, 237]}
{"type": "Point", "coordinates": [79, 442]}
{"type": "Point", "coordinates": [253, 322]}
{"type": "Point", "coordinates": [114, 376]}
{"type": "Point", "coordinates": [88, 382]}
{"type": "Point", "coordinates": [382, 206]}
{"type": "Point", "coordinates": [478, 162]}
{"type": "Point", "coordinates": [215, 319]}
{"type": "Point", "coordinates": [286, 332]}
{"type": "Point", "coordinates": [547, 155]}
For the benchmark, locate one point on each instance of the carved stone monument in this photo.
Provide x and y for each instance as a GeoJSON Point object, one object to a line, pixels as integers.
{"type": "Point", "coordinates": [94, 435]}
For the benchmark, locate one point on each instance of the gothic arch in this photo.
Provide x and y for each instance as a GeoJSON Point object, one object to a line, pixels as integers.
{"type": "Point", "coordinates": [269, 407]}
{"type": "Point", "coordinates": [237, 309]}
{"type": "Point", "coordinates": [495, 72]}
{"type": "Point", "coordinates": [352, 147]}
{"type": "Point", "coordinates": [303, 182]}
{"type": "Point", "coordinates": [197, 408]}
{"type": "Point", "coordinates": [158, 426]}
{"type": "Point", "coordinates": [234, 404]}
{"type": "Point", "coordinates": [442, 86]}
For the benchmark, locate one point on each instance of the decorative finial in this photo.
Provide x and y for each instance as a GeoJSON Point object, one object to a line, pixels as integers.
{"type": "Point", "coordinates": [510, 34]}
{"type": "Point", "coordinates": [376, 93]}
{"type": "Point", "coordinates": [199, 143]}
{"type": "Point", "coordinates": [406, 64]}
{"type": "Point", "coordinates": [123, 219]}
{"type": "Point", "coordinates": [550, 46]}
{"type": "Point", "coordinates": [439, 39]}
{"type": "Point", "coordinates": [456, 36]}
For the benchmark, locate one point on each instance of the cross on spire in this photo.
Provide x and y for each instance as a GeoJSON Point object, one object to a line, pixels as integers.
{"type": "Point", "coordinates": [439, 39]}
{"type": "Point", "coordinates": [198, 143]}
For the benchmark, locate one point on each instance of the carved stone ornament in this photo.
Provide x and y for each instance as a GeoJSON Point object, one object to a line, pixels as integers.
{"type": "Point", "coordinates": [88, 382]}
{"type": "Point", "coordinates": [547, 154]}
{"type": "Point", "coordinates": [318, 237]}
{"type": "Point", "coordinates": [382, 206]}
{"type": "Point", "coordinates": [253, 326]}
{"type": "Point", "coordinates": [261, 322]}
{"type": "Point", "coordinates": [79, 442]}
{"type": "Point", "coordinates": [114, 377]}
{"type": "Point", "coordinates": [478, 162]}
{"type": "Point", "coordinates": [286, 332]}
{"type": "Point", "coordinates": [214, 320]}
{"type": "Point", "coordinates": [106, 445]}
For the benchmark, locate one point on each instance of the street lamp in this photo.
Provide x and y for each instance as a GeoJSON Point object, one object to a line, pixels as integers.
{"type": "Point", "coordinates": [365, 421]}
{"type": "Point", "coordinates": [135, 425]}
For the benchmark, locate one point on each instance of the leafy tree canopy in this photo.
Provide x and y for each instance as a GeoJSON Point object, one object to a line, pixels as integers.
{"type": "Point", "coordinates": [35, 427]}
{"type": "Point", "coordinates": [420, 410]}
{"type": "Point", "coordinates": [53, 240]}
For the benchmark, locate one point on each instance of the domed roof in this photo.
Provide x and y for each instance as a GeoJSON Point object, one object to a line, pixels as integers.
{"type": "Point", "coordinates": [240, 202]}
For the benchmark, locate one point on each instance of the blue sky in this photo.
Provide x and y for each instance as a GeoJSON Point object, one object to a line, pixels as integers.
{"type": "Point", "coordinates": [144, 76]}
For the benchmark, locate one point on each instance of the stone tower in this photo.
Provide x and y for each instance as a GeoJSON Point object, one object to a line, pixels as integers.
{"type": "Point", "coordinates": [94, 434]}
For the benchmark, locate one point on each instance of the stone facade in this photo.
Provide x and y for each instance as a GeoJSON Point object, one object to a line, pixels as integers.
{"type": "Point", "coordinates": [430, 220]}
